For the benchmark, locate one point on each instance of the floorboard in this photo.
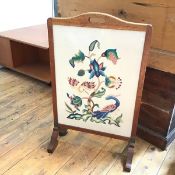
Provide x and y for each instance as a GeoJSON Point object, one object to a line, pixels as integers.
{"type": "Point", "coordinates": [25, 127]}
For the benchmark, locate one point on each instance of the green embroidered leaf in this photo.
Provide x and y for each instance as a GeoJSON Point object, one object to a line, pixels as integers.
{"type": "Point", "coordinates": [118, 119]}
{"type": "Point", "coordinates": [75, 116]}
{"type": "Point", "coordinates": [68, 107]}
{"type": "Point", "coordinates": [81, 72]}
{"type": "Point", "coordinates": [84, 110]}
{"type": "Point", "coordinates": [87, 106]}
{"type": "Point", "coordinates": [107, 81]}
{"type": "Point", "coordinates": [69, 111]}
{"type": "Point", "coordinates": [99, 93]}
{"type": "Point", "coordinates": [77, 58]}
{"type": "Point", "coordinates": [92, 45]}
{"type": "Point", "coordinates": [114, 122]}
{"type": "Point", "coordinates": [96, 105]}
{"type": "Point", "coordinates": [94, 119]}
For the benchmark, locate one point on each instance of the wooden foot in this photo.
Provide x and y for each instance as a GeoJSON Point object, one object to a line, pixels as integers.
{"type": "Point", "coordinates": [129, 156]}
{"type": "Point", "coordinates": [54, 140]}
{"type": "Point", "coordinates": [62, 131]}
{"type": "Point", "coordinates": [57, 131]}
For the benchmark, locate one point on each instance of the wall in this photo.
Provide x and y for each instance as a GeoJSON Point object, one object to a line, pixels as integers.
{"type": "Point", "coordinates": [22, 13]}
{"type": "Point", "coordinates": [160, 13]}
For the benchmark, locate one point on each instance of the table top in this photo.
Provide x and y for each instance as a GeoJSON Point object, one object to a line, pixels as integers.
{"type": "Point", "coordinates": [34, 35]}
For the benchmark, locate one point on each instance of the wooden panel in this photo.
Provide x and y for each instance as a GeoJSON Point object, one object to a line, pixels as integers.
{"type": "Point", "coordinates": [156, 122]}
{"type": "Point", "coordinates": [169, 34]}
{"type": "Point", "coordinates": [157, 101]}
{"type": "Point", "coordinates": [152, 137]}
{"type": "Point", "coordinates": [154, 119]}
{"type": "Point", "coordinates": [5, 53]}
{"type": "Point", "coordinates": [160, 14]}
{"type": "Point", "coordinates": [159, 89]}
{"type": "Point", "coordinates": [23, 54]}
{"type": "Point", "coordinates": [38, 70]}
{"type": "Point", "coordinates": [43, 55]}
{"type": "Point", "coordinates": [35, 35]}
{"type": "Point", "coordinates": [162, 60]}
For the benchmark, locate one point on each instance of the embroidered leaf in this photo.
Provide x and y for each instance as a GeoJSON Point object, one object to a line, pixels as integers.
{"type": "Point", "coordinates": [85, 110]}
{"type": "Point", "coordinates": [92, 45]}
{"type": "Point", "coordinates": [75, 116]}
{"type": "Point", "coordinates": [107, 81]}
{"type": "Point", "coordinates": [94, 119]}
{"type": "Point", "coordinates": [81, 72]}
{"type": "Point", "coordinates": [116, 121]}
{"type": "Point", "coordinates": [68, 111]}
{"type": "Point", "coordinates": [77, 58]}
{"type": "Point", "coordinates": [99, 93]}
{"type": "Point", "coordinates": [69, 108]}
{"type": "Point", "coordinates": [96, 105]}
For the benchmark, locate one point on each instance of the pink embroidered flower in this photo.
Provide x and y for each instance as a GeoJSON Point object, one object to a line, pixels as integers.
{"type": "Point", "coordinates": [73, 81]}
{"type": "Point", "coordinates": [89, 85]}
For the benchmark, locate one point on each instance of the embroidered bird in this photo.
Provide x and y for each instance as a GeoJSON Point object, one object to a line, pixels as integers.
{"type": "Point", "coordinates": [108, 109]}
{"type": "Point", "coordinates": [111, 54]}
{"type": "Point", "coordinates": [96, 69]}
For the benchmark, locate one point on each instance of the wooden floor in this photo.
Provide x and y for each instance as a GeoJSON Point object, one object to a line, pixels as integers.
{"type": "Point", "coordinates": [25, 129]}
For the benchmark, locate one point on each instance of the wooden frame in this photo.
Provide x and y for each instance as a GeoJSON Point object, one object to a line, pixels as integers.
{"type": "Point", "coordinates": [98, 20]}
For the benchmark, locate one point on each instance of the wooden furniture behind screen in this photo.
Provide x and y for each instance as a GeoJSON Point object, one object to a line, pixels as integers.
{"type": "Point", "coordinates": [26, 50]}
{"type": "Point", "coordinates": [157, 114]}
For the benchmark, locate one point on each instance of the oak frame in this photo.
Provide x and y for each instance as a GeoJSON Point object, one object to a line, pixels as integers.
{"type": "Point", "coordinates": [98, 20]}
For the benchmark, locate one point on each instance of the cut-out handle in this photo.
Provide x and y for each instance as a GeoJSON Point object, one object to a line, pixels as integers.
{"type": "Point", "coordinates": [100, 20]}
{"type": "Point", "coordinates": [96, 20]}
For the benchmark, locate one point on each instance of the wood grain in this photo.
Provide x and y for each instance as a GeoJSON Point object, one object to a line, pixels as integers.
{"type": "Point", "coordinates": [140, 149]}
{"type": "Point", "coordinates": [23, 142]}
{"type": "Point", "coordinates": [162, 60]}
{"type": "Point", "coordinates": [136, 11]}
{"type": "Point", "coordinates": [35, 36]}
{"type": "Point", "coordinates": [157, 121]}
{"type": "Point", "coordinates": [5, 55]}
{"type": "Point", "coordinates": [151, 158]}
{"type": "Point", "coordinates": [168, 166]}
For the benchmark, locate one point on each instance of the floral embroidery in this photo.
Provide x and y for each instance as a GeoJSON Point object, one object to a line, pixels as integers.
{"type": "Point", "coordinates": [87, 108]}
{"type": "Point", "coordinates": [73, 81]}
{"type": "Point", "coordinates": [96, 69]}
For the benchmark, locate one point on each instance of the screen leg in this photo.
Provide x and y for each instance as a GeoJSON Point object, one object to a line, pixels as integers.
{"type": "Point", "coordinates": [129, 156]}
{"type": "Point", "coordinates": [57, 131]}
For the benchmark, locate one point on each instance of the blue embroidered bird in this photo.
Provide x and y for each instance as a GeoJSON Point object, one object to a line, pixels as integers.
{"type": "Point", "coordinates": [108, 109]}
{"type": "Point", "coordinates": [96, 69]}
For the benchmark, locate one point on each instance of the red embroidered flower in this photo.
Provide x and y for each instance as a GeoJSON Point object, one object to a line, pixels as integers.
{"type": "Point", "coordinates": [89, 85]}
{"type": "Point", "coordinates": [73, 81]}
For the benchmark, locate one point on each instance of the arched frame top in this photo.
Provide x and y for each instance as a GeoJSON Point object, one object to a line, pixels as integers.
{"type": "Point", "coordinates": [99, 20]}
